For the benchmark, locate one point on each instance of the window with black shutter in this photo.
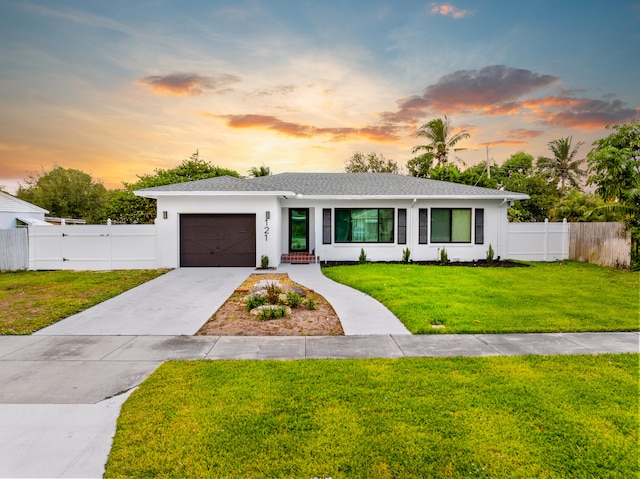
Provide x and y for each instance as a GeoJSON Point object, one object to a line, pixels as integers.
{"type": "Point", "coordinates": [479, 226]}
{"type": "Point", "coordinates": [326, 226]}
{"type": "Point", "coordinates": [402, 226]}
{"type": "Point", "coordinates": [423, 225]}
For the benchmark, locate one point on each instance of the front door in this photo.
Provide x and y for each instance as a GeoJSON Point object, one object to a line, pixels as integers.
{"type": "Point", "coordinates": [299, 230]}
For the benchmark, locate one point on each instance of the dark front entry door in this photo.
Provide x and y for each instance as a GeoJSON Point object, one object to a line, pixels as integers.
{"type": "Point", "coordinates": [299, 230]}
{"type": "Point", "coordinates": [217, 240]}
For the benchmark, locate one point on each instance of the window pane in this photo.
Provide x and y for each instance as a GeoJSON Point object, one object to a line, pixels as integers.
{"type": "Point", "coordinates": [386, 226]}
{"type": "Point", "coordinates": [343, 226]}
{"type": "Point", "coordinates": [364, 225]}
{"type": "Point", "coordinates": [440, 226]}
{"type": "Point", "coordinates": [461, 226]}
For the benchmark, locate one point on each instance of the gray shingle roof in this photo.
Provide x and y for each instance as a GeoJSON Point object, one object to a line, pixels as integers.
{"type": "Point", "coordinates": [335, 184]}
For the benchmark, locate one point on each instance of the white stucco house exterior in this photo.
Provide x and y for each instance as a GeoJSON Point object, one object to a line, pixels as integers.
{"type": "Point", "coordinates": [14, 211]}
{"type": "Point", "coordinates": [226, 221]}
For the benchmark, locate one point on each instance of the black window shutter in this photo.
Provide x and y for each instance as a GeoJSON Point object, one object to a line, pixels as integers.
{"type": "Point", "coordinates": [423, 225]}
{"type": "Point", "coordinates": [402, 226]}
{"type": "Point", "coordinates": [326, 226]}
{"type": "Point", "coordinates": [479, 226]}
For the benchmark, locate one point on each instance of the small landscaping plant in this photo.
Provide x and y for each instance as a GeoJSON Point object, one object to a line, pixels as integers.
{"type": "Point", "coordinates": [273, 293]}
{"type": "Point", "coordinates": [264, 261]}
{"type": "Point", "coordinates": [254, 301]}
{"type": "Point", "coordinates": [294, 299]}
{"type": "Point", "coordinates": [406, 254]}
{"type": "Point", "coordinates": [270, 311]}
{"type": "Point", "coordinates": [444, 257]}
{"type": "Point", "coordinates": [490, 254]}
{"type": "Point", "coordinates": [363, 256]}
{"type": "Point", "coordinates": [311, 305]}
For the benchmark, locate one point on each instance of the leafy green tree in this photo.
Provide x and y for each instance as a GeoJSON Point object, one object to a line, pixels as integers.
{"type": "Point", "coordinates": [518, 174]}
{"type": "Point", "coordinates": [261, 170]}
{"type": "Point", "coordinates": [578, 207]}
{"type": "Point", "coordinates": [441, 142]}
{"type": "Point", "coordinates": [614, 168]}
{"type": "Point", "coordinates": [449, 173]}
{"type": "Point", "coordinates": [66, 193]}
{"type": "Point", "coordinates": [477, 175]}
{"type": "Point", "coordinates": [125, 207]}
{"type": "Point", "coordinates": [563, 167]}
{"type": "Point", "coordinates": [370, 163]}
{"type": "Point", "coordinates": [420, 165]}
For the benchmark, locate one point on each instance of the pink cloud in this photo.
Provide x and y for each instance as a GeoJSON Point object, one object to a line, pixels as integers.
{"type": "Point", "coordinates": [193, 84]}
{"type": "Point", "coordinates": [382, 133]}
{"type": "Point", "coordinates": [446, 9]}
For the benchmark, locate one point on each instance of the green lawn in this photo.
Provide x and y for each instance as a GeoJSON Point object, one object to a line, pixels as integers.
{"type": "Point", "coordinates": [31, 300]}
{"type": "Point", "coordinates": [546, 297]}
{"type": "Point", "coordinates": [499, 417]}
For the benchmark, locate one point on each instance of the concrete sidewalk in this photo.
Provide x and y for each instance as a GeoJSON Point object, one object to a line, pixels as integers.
{"type": "Point", "coordinates": [89, 369]}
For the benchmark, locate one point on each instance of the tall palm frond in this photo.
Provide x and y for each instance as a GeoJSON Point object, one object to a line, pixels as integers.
{"type": "Point", "coordinates": [437, 131]}
{"type": "Point", "coordinates": [563, 167]}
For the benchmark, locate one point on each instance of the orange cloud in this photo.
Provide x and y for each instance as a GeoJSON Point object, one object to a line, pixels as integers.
{"type": "Point", "coordinates": [193, 84]}
{"type": "Point", "coordinates": [446, 9]}
{"type": "Point", "coordinates": [522, 133]}
{"type": "Point", "coordinates": [382, 133]}
{"type": "Point", "coordinates": [501, 143]}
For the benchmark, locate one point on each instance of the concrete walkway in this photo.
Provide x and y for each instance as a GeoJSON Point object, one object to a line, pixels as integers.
{"type": "Point", "coordinates": [181, 301]}
{"type": "Point", "coordinates": [62, 388]}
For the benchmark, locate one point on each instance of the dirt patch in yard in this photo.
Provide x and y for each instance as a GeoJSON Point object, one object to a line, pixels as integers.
{"type": "Point", "coordinates": [233, 319]}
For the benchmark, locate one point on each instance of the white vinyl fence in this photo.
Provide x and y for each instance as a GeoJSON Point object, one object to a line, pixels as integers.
{"type": "Point", "coordinates": [14, 249]}
{"type": "Point", "coordinates": [93, 247]}
{"type": "Point", "coordinates": [107, 247]}
{"type": "Point", "coordinates": [538, 241]}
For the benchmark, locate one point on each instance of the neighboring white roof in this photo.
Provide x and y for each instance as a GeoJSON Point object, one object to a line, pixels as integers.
{"type": "Point", "coordinates": [11, 204]}
{"type": "Point", "coordinates": [336, 185]}
{"type": "Point", "coordinates": [34, 221]}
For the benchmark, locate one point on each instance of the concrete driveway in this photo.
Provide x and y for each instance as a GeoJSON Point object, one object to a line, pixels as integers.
{"type": "Point", "coordinates": [176, 303]}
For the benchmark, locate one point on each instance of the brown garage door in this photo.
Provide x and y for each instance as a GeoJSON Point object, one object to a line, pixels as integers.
{"type": "Point", "coordinates": [217, 240]}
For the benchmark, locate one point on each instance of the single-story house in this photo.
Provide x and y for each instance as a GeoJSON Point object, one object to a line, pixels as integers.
{"type": "Point", "coordinates": [298, 217]}
{"type": "Point", "coordinates": [15, 212]}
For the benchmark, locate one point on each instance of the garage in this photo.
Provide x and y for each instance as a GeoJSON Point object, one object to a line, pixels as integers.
{"type": "Point", "coordinates": [218, 240]}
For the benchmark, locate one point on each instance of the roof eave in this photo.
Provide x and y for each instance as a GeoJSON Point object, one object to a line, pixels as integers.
{"type": "Point", "coordinates": [156, 194]}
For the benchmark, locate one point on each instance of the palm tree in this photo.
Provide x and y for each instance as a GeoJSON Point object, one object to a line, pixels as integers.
{"type": "Point", "coordinates": [259, 171]}
{"type": "Point", "coordinates": [562, 167]}
{"type": "Point", "coordinates": [441, 143]}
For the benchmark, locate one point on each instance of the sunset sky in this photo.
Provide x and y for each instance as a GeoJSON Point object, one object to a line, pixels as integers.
{"type": "Point", "coordinates": [118, 88]}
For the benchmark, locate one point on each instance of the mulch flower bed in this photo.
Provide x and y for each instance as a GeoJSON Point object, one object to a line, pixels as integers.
{"type": "Point", "coordinates": [233, 319]}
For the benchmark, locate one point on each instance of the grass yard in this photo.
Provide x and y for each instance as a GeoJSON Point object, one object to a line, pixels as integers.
{"type": "Point", "coordinates": [499, 417]}
{"type": "Point", "coordinates": [31, 300]}
{"type": "Point", "coordinates": [546, 297]}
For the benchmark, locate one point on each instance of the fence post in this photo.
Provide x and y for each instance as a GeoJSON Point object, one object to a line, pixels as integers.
{"type": "Point", "coordinates": [109, 236]}
{"type": "Point", "coordinates": [546, 239]}
{"type": "Point", "coordinates": [565, 239]}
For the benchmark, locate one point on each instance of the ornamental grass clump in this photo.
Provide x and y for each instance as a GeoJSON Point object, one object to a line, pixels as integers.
{"type": "Point", "coordinates": [273, 293]}
{"type": "Point", "coordinates": [270, 311]}
{"type": "Point", "coordinates": [294, 299]}
{"type": "Point", "coordinates": [254, 301]}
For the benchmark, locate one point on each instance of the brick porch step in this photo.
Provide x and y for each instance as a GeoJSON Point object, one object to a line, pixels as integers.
{"type": "Point", "coordinates": [299, 258]}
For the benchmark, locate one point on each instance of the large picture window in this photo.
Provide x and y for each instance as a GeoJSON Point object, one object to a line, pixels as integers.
{"type": "Point", "coordinates": [450, 225]}
{"type": "Point", "coordinates": [373, 225]}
